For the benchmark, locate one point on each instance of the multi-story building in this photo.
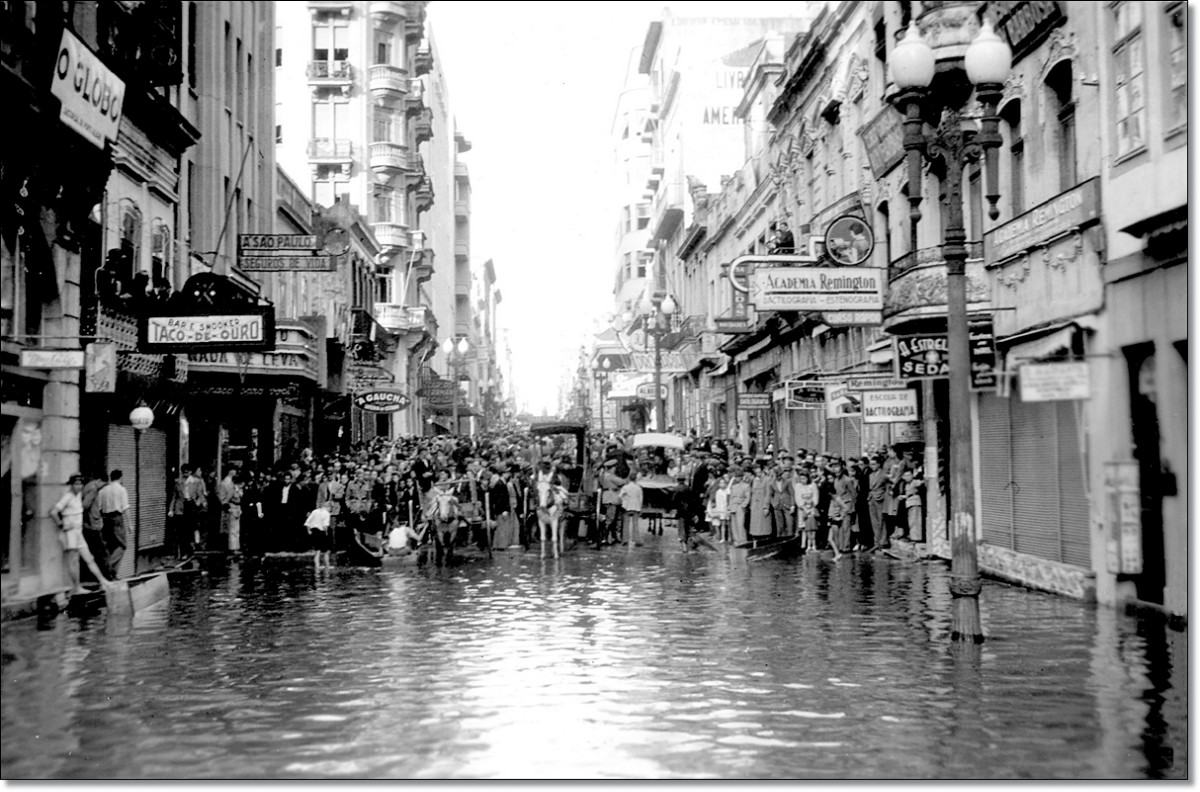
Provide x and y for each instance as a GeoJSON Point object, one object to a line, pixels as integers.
{"type": "Point", "coordinates": [1091, 234]}
{"type": "Point", "coordinates": [350, 118]}
{"type": "Point", "coordinates": [98, 193]}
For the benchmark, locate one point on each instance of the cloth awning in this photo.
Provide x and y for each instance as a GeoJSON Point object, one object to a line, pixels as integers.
{"type": "Point", "coordinates": [881, 352]}
{"type": "Point", "coordinates": [1044, 342]}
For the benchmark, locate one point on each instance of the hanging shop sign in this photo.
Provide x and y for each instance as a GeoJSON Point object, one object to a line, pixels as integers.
{"type": "Point", "coordinates": [889, 406]}
{"type": "Point", "coordinates": [250, 328]}
{"type": "Point", "coordinates": [817, 289]}
{"type": "Point", "coordinates": [804, 395]}
{"type": "Point", "coordinates": [52, 358]}
{"type": "Point", "coordinates": [1123, 513]}
{"type": "Point", "coordinates": [100, 367]}
{"type": "Point", "coordinates": [852, 318]}
{"type": "Point", "coordinates": [92, 96]}
{"type": "Point", "coordinates": [927, 356]}
{"type": "Point", "coordinates": [363, 374]}
{"type": "Point", "coordinates": [288, 263]}
{"type": "Point", "coordinates": [292, 252]}
{"type": "Point", "coordinates": [732, 325]}
{"type": "Point", "coordinates": [849, 241]}
{"type": "Point", "coordinates": [883, 140]}
{"type": "Point", "coordinates": [646, 391]}
{"type": "Point", "coordinates": [382, 401]}
{"type": "Point", "coordinates": [1054, 382]}
{"type": "Point", "coordinates": [754, 401]}
{"type": "Point", "coordinates": [437, 389]}
{"type": "Point", "coordinates": [672, 362]}
{"type": "Point", "coordinates": [1024, 24]}
{"type": "Point", "coordinates": [840, 402]}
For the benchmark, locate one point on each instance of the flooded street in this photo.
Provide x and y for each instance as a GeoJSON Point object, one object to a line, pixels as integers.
{"type": "Point", "coordinates": [601, 664]}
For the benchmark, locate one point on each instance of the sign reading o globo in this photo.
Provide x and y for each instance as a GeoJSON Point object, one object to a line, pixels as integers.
{"type": "Point", "coordinates": [91, 95]}
{"type": "Point", "coordinates": [385, 401]}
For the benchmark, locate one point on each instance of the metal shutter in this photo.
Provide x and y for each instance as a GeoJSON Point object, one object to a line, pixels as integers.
{"type": "Point", "coordinates": [1074, 509]}
{"type": "Point", "coordinates": [1035, 471]}
{"type": "Point", "coordinates": [852, 435]}
{"type": "Point", "coordinates": [152, 508]}
{"type": "Point", "coordinates": [833, 437]}
{"type": "Point", "coordinates": [995, 471]}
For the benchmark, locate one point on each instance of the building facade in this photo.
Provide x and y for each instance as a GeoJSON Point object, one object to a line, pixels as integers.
{"type": "Point", "coordinates": [1077, 487]}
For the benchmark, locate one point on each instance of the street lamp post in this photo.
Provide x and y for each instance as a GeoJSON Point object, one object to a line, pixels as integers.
{"type": "Point", "coordinates": [602, 386]}
{"type": "Point", "coordinates": [657, 309]}
{"type": "Point", "coordinates": [987, 63]}
{"type": "Point", "coordinates": [455, 352]}
{"type": "Point", "coordinates": [141, 418]}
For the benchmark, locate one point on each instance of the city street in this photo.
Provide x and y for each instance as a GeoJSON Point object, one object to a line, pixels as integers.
{"type": "Point", "coordinates": [644, 663]}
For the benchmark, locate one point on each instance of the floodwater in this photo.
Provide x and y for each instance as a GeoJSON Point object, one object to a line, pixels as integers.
{"type": "Point", "coordinates": [649, 664]}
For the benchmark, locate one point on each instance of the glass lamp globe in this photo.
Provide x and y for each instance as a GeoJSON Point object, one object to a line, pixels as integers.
{"type": "Point", "coordinates": [912, 61]}
{"type": "Point", "coordinates": [463, 346]}
{"type": "Point", "coordinates": [668, 305]}
{"type": "Point", "coordinates": [989, 59]}
{"type": "Point", "coordinates": [646, 306]}
{"type": "Point", "coordinates": [141, 418]}
{"type": "Point", "coordinates": [448, 345]}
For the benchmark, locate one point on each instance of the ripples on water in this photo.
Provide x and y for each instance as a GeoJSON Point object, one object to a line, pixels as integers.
{"type": "Point", "coordinates": [652, 665]}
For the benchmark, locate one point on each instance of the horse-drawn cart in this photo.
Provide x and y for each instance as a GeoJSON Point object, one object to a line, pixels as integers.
{"type": "Point", "coordinates": [576, 476]}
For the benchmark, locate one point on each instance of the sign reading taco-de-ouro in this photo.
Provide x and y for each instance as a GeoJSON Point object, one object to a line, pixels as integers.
{"type": "Point", "coordinates": [381, 401]}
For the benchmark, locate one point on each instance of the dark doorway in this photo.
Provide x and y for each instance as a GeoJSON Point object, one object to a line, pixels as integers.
{"type": "Point", "coordinates": [1143, 406]}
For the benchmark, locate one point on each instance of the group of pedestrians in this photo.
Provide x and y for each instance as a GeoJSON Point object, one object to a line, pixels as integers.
{"type": "Point", "coordinates": [90, 517]}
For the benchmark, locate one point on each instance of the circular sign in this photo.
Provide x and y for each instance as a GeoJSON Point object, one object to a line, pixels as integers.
{"type": "Point", "coordinates": [849, 241]}
{"type": "Point", "coordinates": [384, 401]}
{"type": "Point", "coordinates": [739, 276]}
{"type": "Point", "coordinates": [336, 242]}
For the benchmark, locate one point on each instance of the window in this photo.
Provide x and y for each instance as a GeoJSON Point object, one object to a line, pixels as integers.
{"type": "Point", "coordinates": [1058, 85]}
{"type": "Point", "coordinates": [1176, 45]}
{"type": "Point", "coordinates": [381, 207]}
{"type": "Point", "coordinates": [130, 240]}
{"type": "Point", "coordinates": [880, 70]}
{"type": "Point", "coordinates": [626, 219]}
{"type": "Point", "coordinates": [1010, 114]}
{"type": "Point", "coordinates": [228, 66]}
{"type": "Point", "coordinates": [383, 124]}
{"type": "Point", "coordinates": [383, 288]}
{"type": "Point", "coordinates": [628, 260]}
{"type": "Point", "coordinates": [383, 48]}
{"type": "Point", "coordinates": [191, 45]}
{"type": "Point", "coordinates": [323, 193]}
{"type": "Point", "coordinates": [279, 133]}
{"type": "Point", "coordinates": [279, 56]}
{"type": "Point", "coordinates": [643, 215]}
{"type": "Point", "coordinates": [241, 79]}
{"type": "Point", "coordinates": [641, 267]}
{"type": "Point", "coordinates": [1129, 77]}
{"type": "Point", "coordinates": [160, 249]}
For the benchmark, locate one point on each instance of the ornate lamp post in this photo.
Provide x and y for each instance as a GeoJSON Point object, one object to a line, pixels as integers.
{"type": "Point", "coordinates": [657, 308]}
{"type": "Point", "coordinates": [141, 419]}
{"type": "Point", "coordinates": [455, 353]}
{"type": "Point", "coordinates": [602, 385]}
{"type": "Point", "coordinates": [956, 142]}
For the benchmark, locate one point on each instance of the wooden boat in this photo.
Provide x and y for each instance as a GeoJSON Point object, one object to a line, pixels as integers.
{"type": "Point", "coordinates": [361, 555]}
{"type": "Point", "coordinates": [126, 598]}
{"type": "Point", "coordinates": [772, 547]}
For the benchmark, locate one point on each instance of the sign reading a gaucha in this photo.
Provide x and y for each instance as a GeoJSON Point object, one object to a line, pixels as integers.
{"type": "Point", "coordinates": [385, 401]}
{"type": "Point", "coordinates": [251, 328]}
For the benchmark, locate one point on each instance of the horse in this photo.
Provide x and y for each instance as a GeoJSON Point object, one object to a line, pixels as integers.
{"type": "Point", "coordinates": [445, 523]}
{"type": "Point", "coordinates": [552, 503]}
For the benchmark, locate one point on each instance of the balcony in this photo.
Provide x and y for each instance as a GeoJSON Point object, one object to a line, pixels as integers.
{"type": "Point", "coordinates": [388, 158]}
{"type": "Point", "coordinates": [338, 152]}
{"type": "Point", "coordinates": [331, 74]}
{"type": "Point", "coordinates": [667, 212]}
{"type": "Point", "coordinates": [462, 249]}
{"type": "Point", "coordinates": [916, 293]}
{"type": "Point", "coordinates": [423, 61]}
{"type": "Point", "coordinates": [387, 12]}
{"type": "Point", "coordinates": [423, 196]}
{"type": "Point", "coordinates": [423, 126]}
{"type": "Point", "coordinates": [401, 318]}
{"type": "Point", "coordinates": [461, 171]}
{"type": "Point", "coordinates": [390, 236]}
{"type": "Point", "coordinates": [387, 82]}
{"type": "Point", "coordinates": [462, 288]}
{"type": "Point", "coordinates": [462, 208]}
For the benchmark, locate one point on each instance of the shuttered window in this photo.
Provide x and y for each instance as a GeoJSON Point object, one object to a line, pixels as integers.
{"type": "Point", "coordinates": [844, 436]}
{"type": "Point", "coordinates": [1032, 494]}
{"type": "Point", "coordinates": [806, 429]}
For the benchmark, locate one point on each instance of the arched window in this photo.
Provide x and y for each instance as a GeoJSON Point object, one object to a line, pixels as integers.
{"type": "Point", "coordinates": [130, 238]}
{"type": "Point", "coordinates": [160, 249]}
{"type": "Point", "coordinates": [1010, 115]}
{"type": "Point", "coordinates": [1062, 103]}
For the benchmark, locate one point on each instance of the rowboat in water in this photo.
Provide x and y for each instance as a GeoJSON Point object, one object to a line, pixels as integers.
{"type": "Point", "coordinates": [125, 597]}
{"type": "Point", "coordinates": [772, 547]}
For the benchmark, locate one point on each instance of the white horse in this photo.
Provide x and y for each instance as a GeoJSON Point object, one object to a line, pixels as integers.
{"type": "Point", "coordinates": [552, 502]}
{"type": "Point", "coordinates": [445, 522]}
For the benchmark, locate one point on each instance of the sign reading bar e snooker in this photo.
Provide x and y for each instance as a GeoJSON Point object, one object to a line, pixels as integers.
{"type": "Point", "coordinates": [249, 329]}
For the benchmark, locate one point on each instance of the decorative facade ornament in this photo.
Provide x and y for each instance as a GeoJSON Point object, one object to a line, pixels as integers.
{"type": "Point", "coordinates": [1015, 274]}
{"type": "Point", "coordinates": [1062, 45]}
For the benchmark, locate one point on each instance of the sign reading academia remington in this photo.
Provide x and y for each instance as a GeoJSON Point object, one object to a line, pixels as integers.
{"type": "Point", "coordinates": [1025, 23]}
{"type": "Point", "coordinates": [251, 328]}
{"type": "Point", "coordinates": [817, 289]}
{"type": "Point", "coordinates": [1075, 208]}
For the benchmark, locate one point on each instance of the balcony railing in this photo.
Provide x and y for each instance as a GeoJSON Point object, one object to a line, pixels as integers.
{"type": "Point", "coordinates": [331, 149]}
{"type": "Point", "coordinates": [462, 249]}
{"type": "Point", "coordinates": [390, 235]}
{"type": "Point", "coordinates": [340, 6]}
{"type": "Point", "coordinates": [930, 255]}
{"type": "Point", "coordinates": [462, 208]}
{"type": "Point", "coordinates": [917, 287]}
{"type": "Point", "coordinates": [423, 126]}
{"type": "Point", "coordinates": [386, 80]}
{"type": "Point", "coordinates": [423, 61]}
{"type": "Point", "coordinates": [396, 317]}
{"type": "Point", "coordinates": [389, 156]}
{"type": "Point", "coordinates": [330, 72]}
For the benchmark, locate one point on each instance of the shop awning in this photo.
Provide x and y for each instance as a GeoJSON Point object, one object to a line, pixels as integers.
{"type": "Point", "coordinates": [1044, 342]}
{"type": "Point", "coordinates": [627, 388]}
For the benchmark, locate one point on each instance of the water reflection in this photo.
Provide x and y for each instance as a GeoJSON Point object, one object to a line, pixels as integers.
{"type": "Point", "coordinates": [614, 664]}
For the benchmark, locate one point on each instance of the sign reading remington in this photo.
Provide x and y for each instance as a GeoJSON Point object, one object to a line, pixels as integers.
{"type": "Point", "coordinates": [385, 401]}
{"type": "Point", "coordinates": [248, 329]}
{"type": "Point", "coordinates": [817, 289]}
{"type": "Point", "coordinates": [1025, 23]}
{"type": "Point", "coordinates": [1075, 208]}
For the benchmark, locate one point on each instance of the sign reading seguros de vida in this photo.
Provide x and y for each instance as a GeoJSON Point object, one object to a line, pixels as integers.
{"type": "Point", "coordinates": [92, 96]}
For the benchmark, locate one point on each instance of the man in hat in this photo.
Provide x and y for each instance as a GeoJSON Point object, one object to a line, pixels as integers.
{"type": "Point", "coordinates": [783, 498]}
{"type": "Point", "coordinates": [610, 503]}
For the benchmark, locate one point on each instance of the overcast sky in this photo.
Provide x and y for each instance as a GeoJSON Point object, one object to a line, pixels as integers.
{"type": "Point", "coordinates": [534, 88]}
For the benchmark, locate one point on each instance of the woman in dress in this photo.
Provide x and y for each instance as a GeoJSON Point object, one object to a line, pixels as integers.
{"type": "Point", "coordinates": [67, 514]}
{"type": "Point", "coordinates": [739, 504]}
{"type": "Point", "coordinates": [760, 504]}
{"type": "Point", "coordinates": [806, 509]}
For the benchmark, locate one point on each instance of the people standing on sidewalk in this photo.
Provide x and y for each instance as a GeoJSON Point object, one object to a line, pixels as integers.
{"type": "Point", "coordinates": [93, 522]}
{"type": "Point", "coordinates": [760, 502]}
{"type": "Point", "coordinates": [783, 498]}
{"type": "Point", "coordinates": [179, 532]}
{"type": "Point", "coordinates": [114, 503]}
{"type": "Point", "coordinates": [804, 491]}
{"type": "Point", "coordinates": [877, 487]}
{"type": "Point", "coordinates": [842, 509]}
{"type": "Point", "coordinates": [631, 507]}
{"type": "Point", "coordinates": [740, 496]}
{"type": "Point", "coordinates": [230, 497]}
{"type": "Point", "coordinates": [195, 506]}
{"type": "Point", "coordinates": [67, 514]}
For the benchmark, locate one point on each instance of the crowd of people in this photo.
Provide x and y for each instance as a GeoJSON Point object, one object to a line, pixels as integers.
{"type": "Point", "coordinates": [496, 489]}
